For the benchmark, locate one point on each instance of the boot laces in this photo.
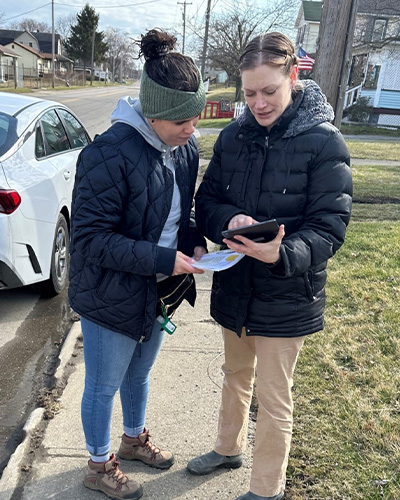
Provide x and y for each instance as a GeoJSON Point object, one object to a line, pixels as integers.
{"type": "Point", "coordinates": [151, 447]}
{"type": "Point", "coordinates": [116, 474]}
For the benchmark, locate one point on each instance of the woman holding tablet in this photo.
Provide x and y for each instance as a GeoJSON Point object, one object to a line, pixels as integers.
{"type": "Point", "coordinates": [282, 159]}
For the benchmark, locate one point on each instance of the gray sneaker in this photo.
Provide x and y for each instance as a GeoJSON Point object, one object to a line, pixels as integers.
{"type": "Point", "coordinates": [252, 496]}
{"type": "Point", "coordinates": [205, 464]}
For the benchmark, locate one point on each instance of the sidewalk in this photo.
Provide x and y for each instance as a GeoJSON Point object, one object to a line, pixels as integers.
{"type": "Point", "coordinates": [185, 389]}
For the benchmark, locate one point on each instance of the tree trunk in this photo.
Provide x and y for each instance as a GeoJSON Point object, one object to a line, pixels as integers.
{"type": "Point", "coordinates": [238, 89]}
{"type": "Point", "coordinates": [333, 57]}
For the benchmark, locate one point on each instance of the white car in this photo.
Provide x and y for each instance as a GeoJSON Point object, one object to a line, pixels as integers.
{"type": "Point", "coordinates": [39, 145]}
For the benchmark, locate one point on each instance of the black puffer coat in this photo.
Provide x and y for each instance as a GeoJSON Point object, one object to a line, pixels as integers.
{"type": "Point", "coordinates": [122, 198]}
{"type": "Point", "coordinates": [299, 174]}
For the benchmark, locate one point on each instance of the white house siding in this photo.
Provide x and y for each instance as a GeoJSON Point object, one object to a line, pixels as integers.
{"type": "Point", "coordinates": [28, 60]}
{"type": "Point", "coordinates": [309, 38]}
{"type": "Point", "coordinates": [26, 38]}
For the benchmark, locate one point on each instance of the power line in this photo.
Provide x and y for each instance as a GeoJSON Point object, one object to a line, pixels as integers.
{"type": "Point", "coordinates": [108, 6]}
{"type": "Point", "coordinates": [27, 12]}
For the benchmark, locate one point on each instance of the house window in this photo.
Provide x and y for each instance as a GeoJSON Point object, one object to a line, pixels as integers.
{"type": "Point", "coordinates": [379, 30]}
{"type": "Point", "coordinates": [30, 44]}
{"type": "Point", "coordinates": [371, 80]}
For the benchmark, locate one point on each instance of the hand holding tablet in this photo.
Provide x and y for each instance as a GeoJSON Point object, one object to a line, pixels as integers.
{"type": "Point", "coordinates": [259, 232]}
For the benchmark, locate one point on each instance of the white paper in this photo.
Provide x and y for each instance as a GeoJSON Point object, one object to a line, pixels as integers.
{"type": "Point", "coordinates": [218, 261]}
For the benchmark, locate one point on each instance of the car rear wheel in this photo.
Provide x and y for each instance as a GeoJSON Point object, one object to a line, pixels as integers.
{"type": "Point", "coordinates": [59, 262]}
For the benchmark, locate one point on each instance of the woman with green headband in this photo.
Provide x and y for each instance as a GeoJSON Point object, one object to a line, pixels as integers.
{"type": "Point", "coordinates": [131, 232]}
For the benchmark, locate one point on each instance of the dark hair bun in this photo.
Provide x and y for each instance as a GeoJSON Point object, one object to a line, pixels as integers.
{"type": "Point", "coordinates": [156, 43]}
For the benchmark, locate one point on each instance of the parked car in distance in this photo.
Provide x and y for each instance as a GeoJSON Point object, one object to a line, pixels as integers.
{"type": "Point", "coordinates": [40, 142]}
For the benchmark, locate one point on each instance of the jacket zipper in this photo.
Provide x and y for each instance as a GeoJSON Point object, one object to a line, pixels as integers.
{"type": "Point", "coordinates": [180, 296]}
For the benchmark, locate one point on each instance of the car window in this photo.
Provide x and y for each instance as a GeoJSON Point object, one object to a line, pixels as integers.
{"type": "Point", "coordinates": [8, 132]}
{"type": "Point", "coordinates": [40, 151]}
{"type": "Point", "coordinates": [55, 136]}
{"type": "Point", "coordinates": [75, 129]}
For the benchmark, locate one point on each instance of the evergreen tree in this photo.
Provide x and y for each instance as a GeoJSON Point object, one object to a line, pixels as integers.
{"type": "Point", "coordinates": [79, 44]}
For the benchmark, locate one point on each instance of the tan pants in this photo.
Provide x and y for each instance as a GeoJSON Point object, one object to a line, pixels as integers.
{"type": "Point", "coordinates": [277, 359]}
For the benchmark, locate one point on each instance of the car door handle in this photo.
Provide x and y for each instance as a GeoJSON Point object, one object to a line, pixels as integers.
{"type": "Point", "coordinates": [67, 175]}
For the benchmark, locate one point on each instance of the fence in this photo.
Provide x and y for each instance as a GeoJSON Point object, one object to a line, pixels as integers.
{"type": "Point", "coordinates": [222, 109]}
{"type": "Point", "coordinates": [30, 77]}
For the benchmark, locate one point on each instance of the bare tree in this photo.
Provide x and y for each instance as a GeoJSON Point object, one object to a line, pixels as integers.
{"type": "Point", "coordinates": [121, 50]}
{"type": "Point", "coordinates": [63, 25]}
{"type": "Point", "coordinates": [30, 25]}
{"type": "Point", "coordinates": [230, 32]}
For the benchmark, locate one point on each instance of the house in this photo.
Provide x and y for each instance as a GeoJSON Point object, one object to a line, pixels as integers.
{"type": "Point", "coordinates": [307, 24]}
{"type": "Point", "coordinates": [35, 50]}
{"type": "Point", "coordinates": [37, 64]}
{"type": "Point", "coordinates": [375, 68]}
{"type": "Point", "coordinates": [376, 59]}
{"type": "Point", "coordinates": [8, 65]}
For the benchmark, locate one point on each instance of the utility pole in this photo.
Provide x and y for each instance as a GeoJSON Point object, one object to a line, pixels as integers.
{"type": "Point", "coordinates": [184, 3]}
{"type": "Point", "coordinates": [205, 43]}
{"type": "Point", "coordinates": [333, 57]}
{"type": "Point", "coordinates": [92, 70]}
{"type": "Point", "coordinates": [53, 42]}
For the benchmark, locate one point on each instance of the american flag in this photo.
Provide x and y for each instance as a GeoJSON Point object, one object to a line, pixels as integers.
{"type": "Point", "coordinates": [305, 61]}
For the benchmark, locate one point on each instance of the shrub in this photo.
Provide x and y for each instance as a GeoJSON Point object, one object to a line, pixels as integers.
{"type": "Point", "coordinates": [360, 111]}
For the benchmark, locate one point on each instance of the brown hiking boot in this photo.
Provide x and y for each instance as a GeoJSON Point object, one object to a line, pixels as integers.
{"type": "Point", "coordinates": [108, 478]}
{"type": "Point", "coordinates": [141, 448]}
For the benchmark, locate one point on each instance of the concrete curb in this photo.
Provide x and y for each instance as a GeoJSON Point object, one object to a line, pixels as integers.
{"type": "Point", "coordinates": [12, 473]}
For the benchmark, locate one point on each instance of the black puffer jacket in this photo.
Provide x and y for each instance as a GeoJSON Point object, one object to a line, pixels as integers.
{"type": "Point", "coordinates": [299, 174]}
{"type": "Point", "coordinates": [122, 198]}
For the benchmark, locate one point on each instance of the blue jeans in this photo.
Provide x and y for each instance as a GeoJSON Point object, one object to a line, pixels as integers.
{"type": "Point", "coordinates": [114, 361]}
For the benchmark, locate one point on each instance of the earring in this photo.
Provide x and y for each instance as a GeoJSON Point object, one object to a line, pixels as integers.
{"type": "Point", "coordinates": [152, 121]}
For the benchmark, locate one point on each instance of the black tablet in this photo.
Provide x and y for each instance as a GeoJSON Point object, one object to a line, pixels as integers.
{"type": "Point", "coordinates": [260, 232]}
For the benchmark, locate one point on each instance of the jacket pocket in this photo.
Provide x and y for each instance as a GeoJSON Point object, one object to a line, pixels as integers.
{"type": "Point", "coordinates": [104, 282]}
{"type": "Point", "coordinates": [309, 285]}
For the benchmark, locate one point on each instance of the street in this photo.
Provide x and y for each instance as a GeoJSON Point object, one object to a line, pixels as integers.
{"type": "Point", "coordinates": [33, 328]}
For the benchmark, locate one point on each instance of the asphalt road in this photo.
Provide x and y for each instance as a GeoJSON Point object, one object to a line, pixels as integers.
{"type": "Point", "coordinates": [32, 328]}
{"type": "Point", "coordinates": [92, 105]}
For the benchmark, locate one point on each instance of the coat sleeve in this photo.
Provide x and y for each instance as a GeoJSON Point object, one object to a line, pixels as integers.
{"type": "Point", "coordinates": [329, 200]}
{"type": "Point", "coordinates": [100, 194]}
{"type": "Point", "coordinates": [212, 216]}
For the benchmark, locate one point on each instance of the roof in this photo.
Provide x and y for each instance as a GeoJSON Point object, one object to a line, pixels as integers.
{"type": "Point", "coordinates": [7, 36]}
{"type": "Point", "coordinates": [312, 11]}
{"type": "Point", "coordinates": [44, 39]}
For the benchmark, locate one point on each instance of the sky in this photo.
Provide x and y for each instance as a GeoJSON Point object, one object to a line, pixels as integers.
{"type": "Point", "coordinates": [133, 17]}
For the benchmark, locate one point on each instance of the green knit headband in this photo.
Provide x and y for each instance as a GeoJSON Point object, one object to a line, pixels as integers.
{"type": "Point", "coordinates": [169, 104]}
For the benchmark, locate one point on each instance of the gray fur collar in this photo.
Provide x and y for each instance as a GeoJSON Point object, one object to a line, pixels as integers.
{"type": "Point", "coordinates": [313, 110]}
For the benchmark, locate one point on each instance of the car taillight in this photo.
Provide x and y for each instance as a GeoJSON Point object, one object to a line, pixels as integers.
{"type": "Point", "coordinates": [10, 200]}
